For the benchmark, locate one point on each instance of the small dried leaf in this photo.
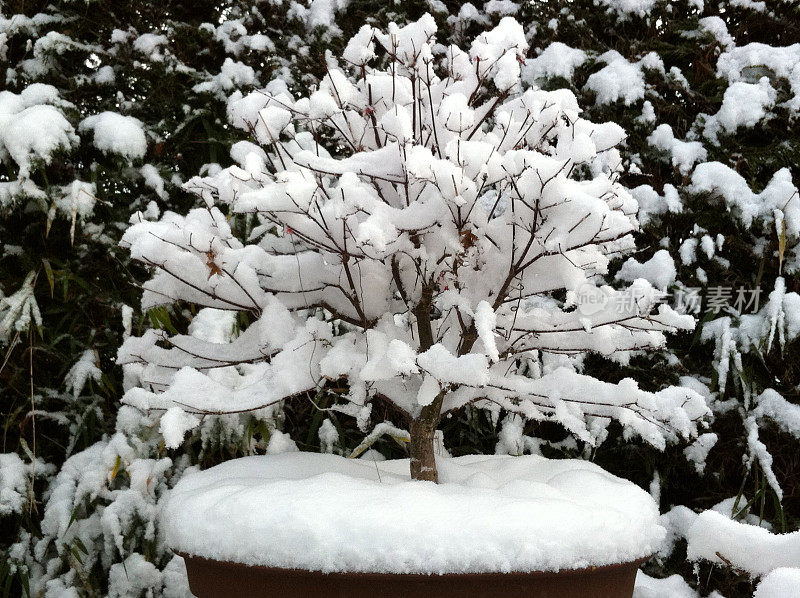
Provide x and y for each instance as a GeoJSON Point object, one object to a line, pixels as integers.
{"type": "Point", "coordinates": [212, 266]}
{"type": "Point", "coordinates": [115, 469]}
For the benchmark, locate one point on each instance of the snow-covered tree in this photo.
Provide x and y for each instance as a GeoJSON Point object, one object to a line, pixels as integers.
{"type": "Point", "coordinates": [422, 228]}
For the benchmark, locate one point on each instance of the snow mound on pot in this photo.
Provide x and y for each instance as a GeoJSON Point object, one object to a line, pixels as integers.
{"type": "Point", "coordinates": [322, 512]}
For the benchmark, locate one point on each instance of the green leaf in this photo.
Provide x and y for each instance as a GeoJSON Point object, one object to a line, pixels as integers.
{"type": "Point", "coordinates": [80, 545]}
{"type": "Point", "coordinates": [48, 270]}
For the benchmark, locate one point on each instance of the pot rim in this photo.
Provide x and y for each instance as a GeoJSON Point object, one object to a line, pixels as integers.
{"type": "Point", "coordinates": [293, 572]}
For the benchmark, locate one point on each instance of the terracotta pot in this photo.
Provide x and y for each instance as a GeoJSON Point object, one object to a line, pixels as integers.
{"type": "Point", "coordinates": [217, 579]}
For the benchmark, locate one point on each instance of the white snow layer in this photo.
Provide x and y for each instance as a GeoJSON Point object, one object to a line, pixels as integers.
{"type": "Point", "coordinates": [673, 586]}
{"type": "Point", "coordinates": [747, 547]}
{"type": "Point", "coordinates": [756, 59]}
{"type": "Point", "coordinates": [625, 8]}
{"type": "Point", "coordinates": [621, 79]}
{"type": "Point", "coordinates": [779, 583]}
{"type": "Point", "coordinates": [697, 452]}
{"type": "Point", "coordinates": [659, 270]}
{"type": "Point", "coordinates": [779, 194]}
{"type": "Point", "coordinates": [489, 513]}
{"type": "Point", "coordinates": [31, 128]}
{"type": "Point", "coordinates": [683, 154]}
{"type": "Point", "coordinates": [557, 60]}
{"type": "Point", "coordinates": [743, 105]}
{"type": "Point", "coordinates": [116, 133]}
{"type": "Point", "coordinates": [13, 483]}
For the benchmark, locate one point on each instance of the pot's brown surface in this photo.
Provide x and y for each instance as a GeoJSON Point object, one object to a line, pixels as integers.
{"type": "Point", "coordinates": [217, 579]}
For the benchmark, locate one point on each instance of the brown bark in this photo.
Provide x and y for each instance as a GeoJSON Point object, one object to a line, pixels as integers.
{"type": "Point", "coordinates": [423, 458]}
{"type": "Point", "coordinates": [423, 427]}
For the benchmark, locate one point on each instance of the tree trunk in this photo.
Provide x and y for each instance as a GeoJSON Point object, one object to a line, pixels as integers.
{"type": "Point", "coordinates": [423, 458]}
{"type": "Point", "coordinates": [423, 427]}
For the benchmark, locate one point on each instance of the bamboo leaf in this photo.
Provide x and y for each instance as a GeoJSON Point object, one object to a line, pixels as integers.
{"type": "Point", "coordinates": [48, 270]}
